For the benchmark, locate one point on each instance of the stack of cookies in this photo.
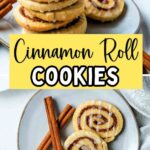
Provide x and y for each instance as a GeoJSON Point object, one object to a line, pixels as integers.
{"type": "Point", "coordinates": [51, 16]}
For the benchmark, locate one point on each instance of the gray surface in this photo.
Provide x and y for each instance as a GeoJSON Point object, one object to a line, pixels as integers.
{"type": "Point", "coordinates": [140, 99]}
{"type": "Point", "coordinates": [12, 103]}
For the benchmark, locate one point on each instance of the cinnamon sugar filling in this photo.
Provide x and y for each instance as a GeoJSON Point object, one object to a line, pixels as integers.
{"type": "Point", "coordinates": [52, 2]}
{"type": "Point", "coordinates": [35, 19]}
{"type": "Point", "coordinates": [104, 9]}
{"type": "Point", "coordinates": [82, 138]}
{"type": "Point", "coordinates": [105, 120]}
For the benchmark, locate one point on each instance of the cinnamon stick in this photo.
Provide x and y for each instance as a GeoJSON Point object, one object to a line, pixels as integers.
{"type": "Point", "coordinates": [46, 142]}
{"type": "Point", "coordinates": [5, 10]}
{"type": "Point", "coordinates": [4, 3]}
{"type": "Point", "coordinates": [146, 60]}
{"type": "Point", "coordinates": [13, 1]}
{"type": "Point", "coordinates": [68, 115]}
{"type": "Point", "coordinates": [144, 70]}
{"type": "Point", "coordinates": [53, 125]}
{"type": "Point", "coordinates": [64, 121]}
{"type": "Point", "coordinates": [64, 112]}
{"type": "Point", "coordinates": [146, 56]}
{"type": "Point", "coordinates": [6, 7]}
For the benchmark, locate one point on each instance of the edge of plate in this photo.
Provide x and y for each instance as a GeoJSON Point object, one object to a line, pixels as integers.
{"type": "Point", "coordinates": [140, 16]}
{"type": "Point", "coordinates": [22, 114]}
{"type": "Point", "coordinates": [116, 91]}
{"type": "Point", "coordinates": [4, 43]}
{"type": "Point", "coordinates": [128, 105]}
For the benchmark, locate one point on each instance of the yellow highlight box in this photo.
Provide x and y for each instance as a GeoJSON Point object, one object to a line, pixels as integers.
{"type": "Point", "coordinates": [76, 61]}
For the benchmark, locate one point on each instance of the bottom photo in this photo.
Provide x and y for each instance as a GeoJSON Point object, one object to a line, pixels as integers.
{"type": "Point", "coordinates": [76, 119]}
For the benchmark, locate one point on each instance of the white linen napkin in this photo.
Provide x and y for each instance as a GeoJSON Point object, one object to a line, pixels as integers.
{"type": "Point", "coordinates": [145, 138]}
{"type": "Point", "coordinates": [139, 99]}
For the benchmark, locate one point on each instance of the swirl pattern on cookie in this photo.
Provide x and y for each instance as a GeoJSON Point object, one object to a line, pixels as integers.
{"type": "Point", "coordinates": [78, 26]}
{"type": "Point", "coordinates": [47, 1]}
{"type": "Point", "coordinates": [35, 24]}
{"type": "Point", "coordinates": [60, 15]}
{"type": "Point", "coordinates": [84, 140]}
{"type": "Point", "coordinates": [45, 7]}
{"type": "Point", "coordinates": [100, 117]}
{"type": "Point", "coordinates": [104, 10]}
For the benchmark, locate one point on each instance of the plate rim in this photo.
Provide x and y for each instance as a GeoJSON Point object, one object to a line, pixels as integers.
{"type": "Point", "coordinates": [5, 43]}
{"type": "Point", "coordinates": [140, 17]}
{"type": "Point", "coordinates": [36, 93]}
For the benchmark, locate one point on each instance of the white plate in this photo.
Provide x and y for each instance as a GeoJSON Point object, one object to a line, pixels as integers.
{"type": "Point", "coordinates": [33, 125]}
{"type": "Point", "coordinates": [125, 24]}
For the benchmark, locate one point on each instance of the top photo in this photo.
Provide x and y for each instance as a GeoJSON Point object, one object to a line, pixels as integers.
{"type": "Point", "coordinates": [73, 17]}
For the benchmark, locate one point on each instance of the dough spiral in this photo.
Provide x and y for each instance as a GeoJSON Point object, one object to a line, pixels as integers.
{"type": "Point", "coordinates": [101, 117]}
{"type": "Point", "coordinates": [85, 140]}
{"type": "Point", "coordinates": [104, 10]}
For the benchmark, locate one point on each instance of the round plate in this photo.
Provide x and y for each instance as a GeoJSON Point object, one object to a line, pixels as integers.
{"type": "Point", "coordinates": [33, 125]}
{"type": "Point", "coordinates": [125, 24]}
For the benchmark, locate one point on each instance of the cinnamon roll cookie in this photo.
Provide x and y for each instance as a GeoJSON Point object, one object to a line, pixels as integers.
{"type": "Point", "coordinates": [85, 140]}
{"type": "Point", "coordinates": [36, 24]}
{"type": "Point", "coordinates": [75, 27]}
{"type": "Point", "coordinates": [46, 1]}
{"type": "Point", "coordinates": [55, 19]}
{"type": "Point", "coordinates": [100, 117]}
{"type": "Point", "coordinates": [47, 6]}
{"type": "Point", "coordinates": [104, 10]}
{"type": "Point", "coordinates": [68, 13]}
